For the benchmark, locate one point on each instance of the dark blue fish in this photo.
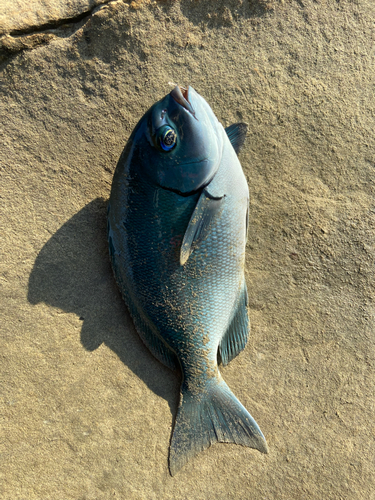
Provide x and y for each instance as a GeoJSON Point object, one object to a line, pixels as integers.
{"type": "Point", "coordinates": [177, 225]}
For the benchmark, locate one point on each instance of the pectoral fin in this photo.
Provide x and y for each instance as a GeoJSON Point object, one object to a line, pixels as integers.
{"type": "Point", "coordinates": [200, 224]}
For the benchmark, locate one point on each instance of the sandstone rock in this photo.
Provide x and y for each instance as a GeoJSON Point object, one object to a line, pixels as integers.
{"type": "Point", "coordinates": [86, 410]}
{"type": "Point", "coordinates": [19, 17]}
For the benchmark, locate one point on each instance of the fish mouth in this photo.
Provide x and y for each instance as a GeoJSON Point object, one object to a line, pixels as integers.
{"type": "Point", "coordinates": [181, 96]}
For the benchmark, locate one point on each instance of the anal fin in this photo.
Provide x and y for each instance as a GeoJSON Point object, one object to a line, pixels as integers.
{"type": "Point", "coordinates": [237, 334]}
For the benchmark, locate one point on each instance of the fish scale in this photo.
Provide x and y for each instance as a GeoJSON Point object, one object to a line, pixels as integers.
{"type": "Point", "coordinates": [177, 223]}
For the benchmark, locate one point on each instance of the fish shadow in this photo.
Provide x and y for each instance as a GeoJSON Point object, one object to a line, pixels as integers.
{"type": "Point", "coordinates": [72, 272]}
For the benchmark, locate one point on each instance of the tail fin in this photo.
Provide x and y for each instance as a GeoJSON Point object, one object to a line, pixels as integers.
{"type": "Point", "coordinates": [211, 416]}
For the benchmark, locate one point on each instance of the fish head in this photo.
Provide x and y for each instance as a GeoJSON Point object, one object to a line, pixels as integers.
{"type": "Point", "coordinates": [181, 142]}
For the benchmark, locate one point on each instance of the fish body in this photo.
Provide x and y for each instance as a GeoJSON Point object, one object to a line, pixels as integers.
{"type": "Point", "coordinates": [177, 224]}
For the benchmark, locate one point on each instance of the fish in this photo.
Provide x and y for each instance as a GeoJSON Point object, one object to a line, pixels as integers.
{"type": "Point", "coordinates": [177, 229]}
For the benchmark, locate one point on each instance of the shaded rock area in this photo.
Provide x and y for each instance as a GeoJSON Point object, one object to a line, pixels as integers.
{"type": "Point", "coordinates": [86, 411]}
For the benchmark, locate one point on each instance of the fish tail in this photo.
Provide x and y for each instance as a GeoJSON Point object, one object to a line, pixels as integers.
{"type": "Point", "coordinates": [212, 415]}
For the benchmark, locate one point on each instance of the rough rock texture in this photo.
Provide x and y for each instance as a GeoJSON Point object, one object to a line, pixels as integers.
{"type": "Point", "coordinates": [20, 16]}
{"type": "Point", "coordinates": [86, 411]}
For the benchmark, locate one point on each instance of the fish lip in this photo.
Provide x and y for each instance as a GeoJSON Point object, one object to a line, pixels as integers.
{"type": "Point", "coordinates": [181, 96]}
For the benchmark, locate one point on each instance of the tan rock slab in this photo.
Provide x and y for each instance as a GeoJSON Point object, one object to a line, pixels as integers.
{"type": "Point", "coordinates": [21, 16]}
{"type": "Point", "coordinates": [86, 411]}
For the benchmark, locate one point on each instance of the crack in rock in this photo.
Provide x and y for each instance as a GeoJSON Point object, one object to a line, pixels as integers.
{"type": "Point", "coordinates": [17, 18]}
{"type": "Point", "coordinates": [53, 24]}
{"type": "Point", "coordinates": [10, 45]}
{"type": "Point", "coordinates": [32, 36]}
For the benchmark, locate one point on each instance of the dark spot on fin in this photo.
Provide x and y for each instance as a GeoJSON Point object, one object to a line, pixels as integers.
{"type": "Point", "coordinates": [213, 415]}
{"type": "Point", "coordinates": [236, 337]}
{"type": "Point", "coordinates": [237, 134]}
{"type": "Point", "coordinates": [200, 224]}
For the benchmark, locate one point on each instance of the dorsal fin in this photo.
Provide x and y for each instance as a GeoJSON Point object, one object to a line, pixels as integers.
{"type": "Point", "coordinates": [144, 326]}
{"type": "Point", "coordinates": [237, 134]}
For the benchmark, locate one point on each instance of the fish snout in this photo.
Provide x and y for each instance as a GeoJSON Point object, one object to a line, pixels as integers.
{"type": "Point", "coordinates": [181, 96]}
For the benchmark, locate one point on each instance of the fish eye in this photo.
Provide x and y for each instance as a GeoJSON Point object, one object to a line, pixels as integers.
{"type": "Point", "coordinates": [167, 138]}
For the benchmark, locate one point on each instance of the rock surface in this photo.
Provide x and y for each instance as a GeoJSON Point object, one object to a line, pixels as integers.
{"type": "Point", "coordinates": [86, 410]}
{"type": "Point", "coordinates": [19, 17]}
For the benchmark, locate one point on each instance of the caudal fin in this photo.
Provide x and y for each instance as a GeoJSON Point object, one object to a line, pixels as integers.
{"type": "Point", "coordinates": [210, 416]}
